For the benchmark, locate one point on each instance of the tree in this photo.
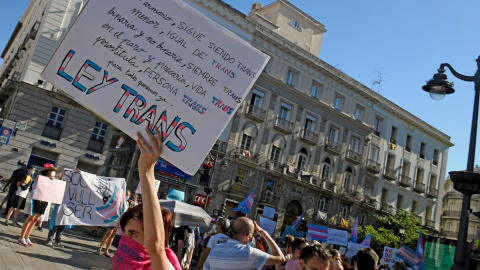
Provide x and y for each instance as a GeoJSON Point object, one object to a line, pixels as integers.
{"type": "Point", "coordinates": [385, 232]}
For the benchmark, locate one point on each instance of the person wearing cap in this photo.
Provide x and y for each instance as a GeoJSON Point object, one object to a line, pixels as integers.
{"type": "Point", "coordinates": [222, 227]}
{"type": "Point", "coordinates": [38, 208]}
{"type": "Point", "coordinates": [16, 177]}
{"type": "Point", "coordinates": [20, 196]}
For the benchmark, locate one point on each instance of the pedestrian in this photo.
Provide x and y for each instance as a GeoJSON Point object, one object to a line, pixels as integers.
{"type": "Point", "coordinates": [38, 208]}
{"type": "Point", "coordinates": [337, 259]}
{"type": "Point", "coordinates": [238, 254]}
{"type": "Point", "coordinates": [20, 196]}
{"type": "Point", "coordinates": [399, 265]}
{"type": "Point", "coordinates": [181, 235]}
{"type": "Point", "coordinates": [107, 241]}
{"type": "Point", "coordinates": [294, 262]}
{"type": "Point", "coordinates": [134, 201]}
{"type": "Point", "coordinates": [315, 257]}
{"type": "Point", "coordinates": [17, 176]}
{"type": "Point", "coordinates": [367, 259]}
{"type": "Point", "coordinates": [222, 225]}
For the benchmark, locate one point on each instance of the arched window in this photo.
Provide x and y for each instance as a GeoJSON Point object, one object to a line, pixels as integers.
{"type": "Point", "coordinates": [249, 132]}
{"type": "Point", "coordinates": [302, 159]}
{"type": "Point", "coordinates": [295, 24]}
{"type": "Point", "coordinates": [278, 144]}
{"type": "Point", "coordinates": [348, 178]}
{"type": "Point", "coordinates": [326, 169]}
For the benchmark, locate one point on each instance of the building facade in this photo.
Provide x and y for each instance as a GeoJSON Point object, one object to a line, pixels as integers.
{"type": "Point", "coordinates": [51, 127]}
{"type": "Point", "coordinates": [308, 138]}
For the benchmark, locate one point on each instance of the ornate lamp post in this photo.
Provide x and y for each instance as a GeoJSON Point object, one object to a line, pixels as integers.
{"type": "Point", "coordinates": [467, 182]}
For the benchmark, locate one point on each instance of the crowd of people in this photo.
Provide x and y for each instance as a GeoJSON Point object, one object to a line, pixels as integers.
{"type": "Point", "coordinates": [147, 238]}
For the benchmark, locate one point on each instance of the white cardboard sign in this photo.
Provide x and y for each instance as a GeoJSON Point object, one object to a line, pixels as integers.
{"type": "Point", "coordinates": [157, 64]}
{"type": "Point", "coordinates": [337, 237]}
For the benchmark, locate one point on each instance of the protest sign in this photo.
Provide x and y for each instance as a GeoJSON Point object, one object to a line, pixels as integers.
{"type": "Point", "coordinates": [408, 255]}
{"type": "Point", "coordinates": [91, 200]}
{"type": "Point", "coordinates": [388, 254]}
{"type": "Point", "coordinates": [268, 212]}
{"type": "Point", "coordinates": [48, 190]}
{"type": "Point", "coordinates": [158, 64]}
{"type": "Point", "coordinates": [174, 194]}
{"type": "Point", "coordinates": [290, 231]}
{"type": "Point", "coordinates": [268, 225]}
{"type": "Point", "coordinates": [139, 187]}
{"type": "Point", "coordinates": [337, 237]}
{"type": "Point", "coordinates": [438, 256]}
{"type": "Point", "coordinates": [353, 248]}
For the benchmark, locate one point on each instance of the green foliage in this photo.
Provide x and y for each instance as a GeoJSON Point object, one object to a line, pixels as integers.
{"type": "Point", "coordinates": [385, 232]}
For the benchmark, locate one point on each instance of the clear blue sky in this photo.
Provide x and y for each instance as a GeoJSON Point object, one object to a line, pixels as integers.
{"type": "Point", "coordinates": [403, 40]}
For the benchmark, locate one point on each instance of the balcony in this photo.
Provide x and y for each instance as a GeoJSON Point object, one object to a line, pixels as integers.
{"type": "Point", "coordinates": [310, 137]}
{"type": "Point", "coordinates": [220, 146]}
{"type": "Point", "coordinates": [255, 113]}
{"type": "Point", "coordinates": [390, 174]}
{"type": "Point", "coordinates": [430, 223]}
{"type": "Point", "coordinates": [240, 190]}
{"type": "Point", "coordinates": [451, 213]}
{"type": "Point", "coordinates": [284, 125]}
{"type": "Point", "coordinates": [350, 193]}
{"type": "Point", "coordinates": [419, 187]}
{"type": "Point", "coordinates": [330, 186]}
{"type": "Point", "coordinates": [246, 155]}
{"type": "Point", "coordinates": [432, 193]}
{"type": "Point", "coordinates": [269, 198]}
{"type": "Point", "coordinates": [95, 145]}
{"type": "Point", "coordinates": [387, 208]}
{"type": "Point", "coordinates": [449, 234]}
{"type": "Point", "coordinates": [34, 30]}
{"type": "Point", "coordinates": [275, 166]}
{"type": "Point", "coordinates": [419, 219]}
{"type": "Point", "coordinates": [354, 157]}
{"type": "Point", "coordinates": [405, 181]}
{"type": "Point", "coordinates": [373, 166]}
{"type": "Point", "coordinates": [333, 147]}
{"type": "Point", "coordinates": [453, 194]}
{"type": "Point", "coordinates": [52, 132]}
{"type": "Point", "coordinates": [370, 202]}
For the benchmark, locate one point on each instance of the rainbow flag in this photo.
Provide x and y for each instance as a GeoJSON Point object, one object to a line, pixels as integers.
{"type": "Point", "coordinates": [246, 205]}
{"type": "Point", "coordinates": [354, 234]}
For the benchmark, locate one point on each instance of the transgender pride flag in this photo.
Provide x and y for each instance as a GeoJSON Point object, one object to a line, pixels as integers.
{"type": "Point", "coordinates": [420, 245]}
{"type": "Point", "coordinates": [367, 240]}
{"type": "Point", "coordinates": [354, 234]}
{"type": "Point", "coordinates": [246, 205]}
{"type": "Point", "coordinates": [318, 233]}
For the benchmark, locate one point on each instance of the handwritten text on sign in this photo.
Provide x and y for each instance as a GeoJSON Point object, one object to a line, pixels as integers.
{"type": "Point", "coordinates": [157, 64]}
{"type": "Point", "coordinates": [337, 237]}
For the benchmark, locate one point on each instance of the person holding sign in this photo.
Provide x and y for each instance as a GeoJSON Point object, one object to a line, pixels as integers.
{"type": "Point", "coordinates": [38, 208]}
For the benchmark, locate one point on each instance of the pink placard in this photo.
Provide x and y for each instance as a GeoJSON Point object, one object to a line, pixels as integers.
{"type": "Point", "coordinates": [48, 190]}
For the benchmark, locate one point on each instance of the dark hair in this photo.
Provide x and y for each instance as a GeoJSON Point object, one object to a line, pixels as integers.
{"type": "Point", "coordinates": [297, 243]}
{"type": "Point", "coordinates": [367, 259]}
{"type": "Point", "coordinates": [288, 240]}
{"type": "Point", "coordinates": [135, 212]}
{"type": "Point", "coordinates": [345, 264]}
{"type": "Point", "coordinates": [334, 253]}
{"type": "Point", "coordinates": [383, 267]}
{"type": "Point", "coordinates": [224, 223]}
{"type": "Point", "coordinates": [45, 173]}
{"type": "Point", "coordinates": [316, 250]}
{"type": "Point", "coordinates": [353, 259]}
{"type": "Point", "coordinates": [399, 265]}
{"type": "Point", "coordinates": [167, 224]}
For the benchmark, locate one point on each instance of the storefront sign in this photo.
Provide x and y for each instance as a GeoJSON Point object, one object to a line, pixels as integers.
{"type": "Point", "coordinates": [209, 163]}
{"type": "Point", "coordinates": [200, 200]}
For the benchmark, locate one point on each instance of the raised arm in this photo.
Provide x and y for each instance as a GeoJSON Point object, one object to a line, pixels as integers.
{"type": "Point", "coordinates": [152, 214]}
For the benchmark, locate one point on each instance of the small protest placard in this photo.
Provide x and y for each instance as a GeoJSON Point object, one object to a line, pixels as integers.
{"type": "Point", "coordinates": [49, 190]}
{"type": "Point", "coordinates": [91, 200]}
{"type": "Point", "coordinates": [158, 64]}
{"type": "Point", "coordinates": [268, 225]}
{"type": "Point", "coordinates": [139, 187]}
{"type": "Point", "coordinates": [388, 254]}
{"type": "Point", "coordinates": [337, 237]}
{"type": "Point", "coordinates": [268, 212]}
{"type": "Point", "coordinates": [353, 248]}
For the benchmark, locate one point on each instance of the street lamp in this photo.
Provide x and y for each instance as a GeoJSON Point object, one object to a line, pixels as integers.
{"type": "Point", "coordinates": [401, 231]}
{"type": "Point", "coordinates": [467, 182]}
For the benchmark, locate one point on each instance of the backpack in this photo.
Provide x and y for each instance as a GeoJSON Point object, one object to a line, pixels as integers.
{"type": "Point", "coordinates": [26, 182]}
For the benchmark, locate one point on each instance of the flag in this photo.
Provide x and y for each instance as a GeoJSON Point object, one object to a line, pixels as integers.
{"type": "Point", "coordinates": [318, 232]}
{"type": "Point", "coordinates": [420, 245]}
{"type": "Point", "coordinates": [354, 234]}
{"type": "Point", "coordinates": [322, 215]}
{"type": "Point", "coordinates": [473, 244]}
{"type": "Point", "coordinates": [344, 223]}
{"type": "Point", "coordinates": [366, 241]}
{"type": "Point", "coordinates": [296, 223]}
{"type": "Point", "coordinates": [246, 205]}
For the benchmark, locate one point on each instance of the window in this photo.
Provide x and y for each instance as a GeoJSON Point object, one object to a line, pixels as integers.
{"type": "Point", "coordinates": [257, 98]}
{"type": "Point", "coordinates": [285, 110]}
{"type": "Point", "coordinates": [378, 125]}
{"type": "Point", "coordinates": [414, 206]}
{"type": "Point", "coordinates": [246, 142]}
{"type": "Point", "coordinates": [295, 24]}
{"type": "Point", "coordinates": [275, 154]}
{"type": "Point", "coordinates": [310, 123]}
{"type": "Point", "coordinates": [408, 144]}
{"type": "Point", "coordinates": [359, 113]}
{"type": "Point", "coordinates": [405, 168]}
{"type": "Point", "coordinates": [374, 150]}
{"type": "Point", "coordinates": [355, 144]}
{"type": "Point", "coordinates": [428, 212]}
{"type": "Point", "coordinates": [436, 156]}
{"type": "Point", "coordinates": [302, 160]}
{"type": "Point", "coordinates": [326, 169]}
{"type": "Point", "coordinates": [363, 219]}
{"type": "Point", "coordinates": [419, 178]}
{"type": "Point", "coordinates": [348, 178]}
{"type": "Point", "coordinates": [393, 135]}
{"type": "Point", "coordinates": [99, 131]}
{"type": "Point", "coordinates": [400, 202]}
{"type": "Point", "coordinates": [433, 181]}
{"type": "Point", "coordinates": [344, 211]}
{"type": "Point", "coordinates": [384, 195]}
{"type": "Point", "coordinates": [422, 150]}
{"type": "Point", "coordinates": [322, 204]}
{"type": "Point", "coordinates": [270, 186]}
{"type": "Point", "coordinates": [316, 90]}
{"type": "Point", "coordinates": [292, 77]}
{"type": "Point", "coordinates": [338, 102]}
{"type": "Point", "coordinates": [333, 134]}
{"type": "Point", "coordinates": [56, 117]}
